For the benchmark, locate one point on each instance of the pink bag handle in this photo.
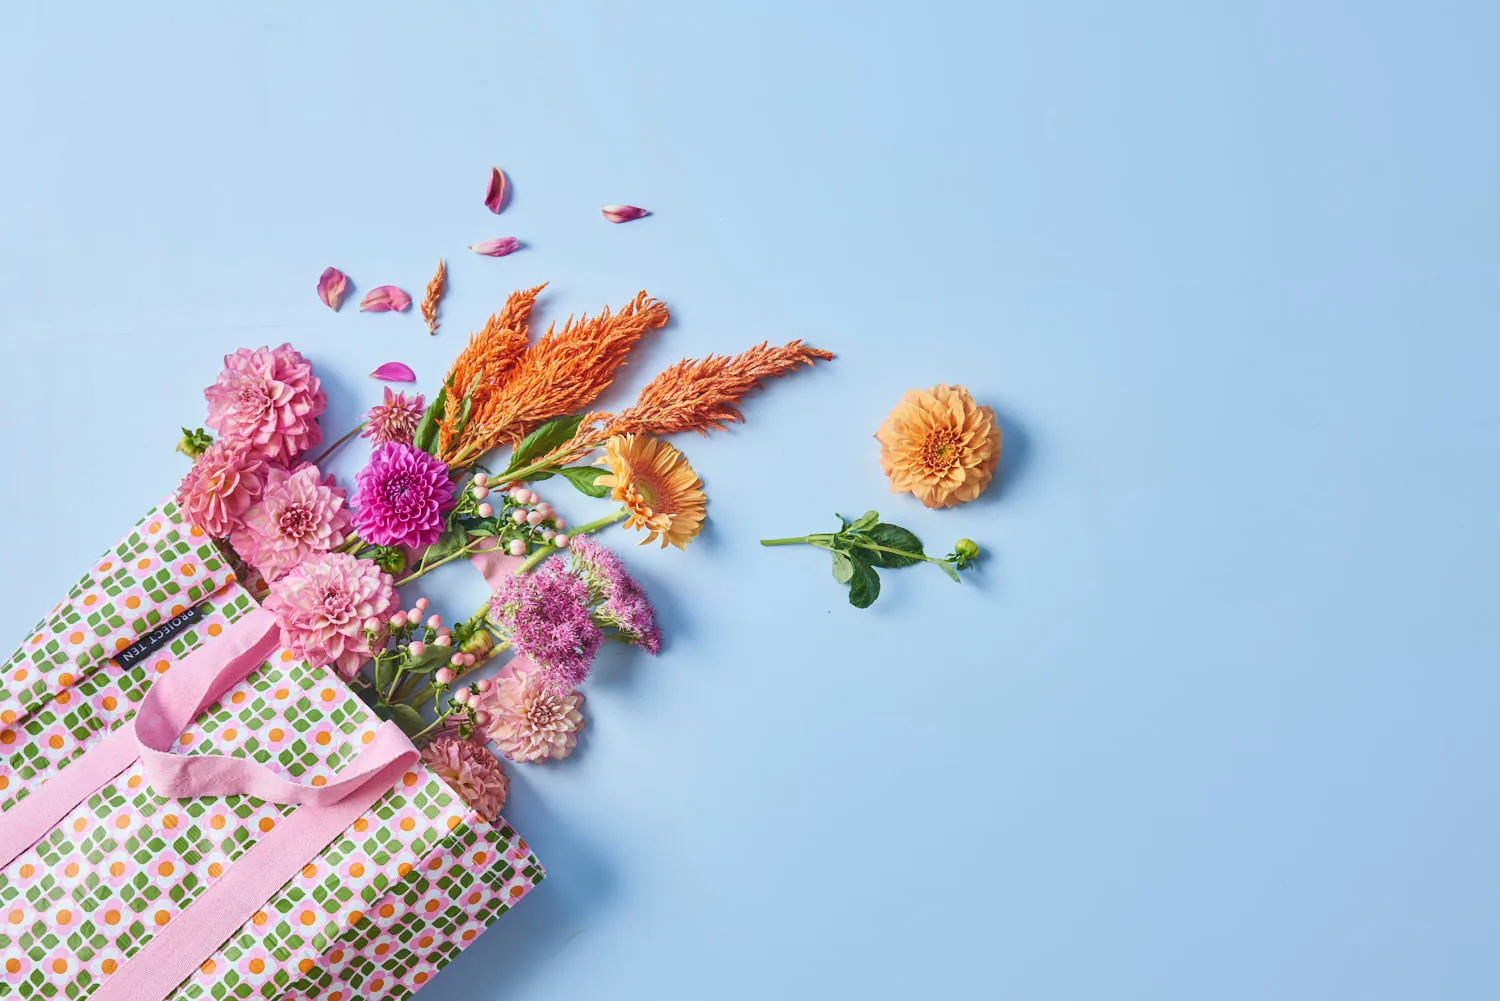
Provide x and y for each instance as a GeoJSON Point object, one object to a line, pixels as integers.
{"type": "Point", "coordinates": [179, 696]}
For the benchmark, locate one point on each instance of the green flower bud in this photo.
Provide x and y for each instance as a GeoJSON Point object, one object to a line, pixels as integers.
{"type": "Point", "coordinates": [481, 645]}
{"type": "Point", "coordinates": [391, 559]}
{"type": "Point", "coordinates": [966, 549]}
{"type": "Point", "coordinates": [194, 443]}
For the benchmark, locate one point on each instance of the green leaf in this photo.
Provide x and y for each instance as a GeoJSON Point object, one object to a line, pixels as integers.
{"type": "Point", "coordinates": [865, 522]}
{"type": "Point", "coordinates": [426, 435]}
{"type": "Point", "coordinates": [454, 538]}
{"type": "Point", "coordinates": [893, 537]}
{"type": "Point", "coordinates": [385, 673]}
{"type": "Point", "coordinates": [408, 719]}
{"type": "Point", "coordinates": [584, 479]}
{"type": "Point", "coordinates": [951, 571]}
{"type": "Point", "coordinates": [432, 658]}
{"type": "Point", "coordinates": [843, 567]}
{"type": "Point", "coordinates": [864, 586]}
{"type": "Point", "coordinates": [544, 439]}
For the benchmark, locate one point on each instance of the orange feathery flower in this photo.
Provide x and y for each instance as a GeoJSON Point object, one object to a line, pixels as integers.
{"type": "Point", "coordinates": [940, 446]}
{"type": "Point", "coordinates": [561, 373]}
{"type": "Point", "coordinates": [487, 359]}
{"type": "Point", "coordinates": [434, 296]}
{"type": "Point", "coordinates": [700, 394]}
{"type": "Point", "coordinates": [657, 486]}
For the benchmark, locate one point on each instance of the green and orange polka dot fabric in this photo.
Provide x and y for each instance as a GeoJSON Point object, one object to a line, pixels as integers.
{"type": "Point", "coordinates": [374, 916]}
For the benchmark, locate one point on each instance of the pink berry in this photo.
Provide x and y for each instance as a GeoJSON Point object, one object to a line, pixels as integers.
{"type": "Point", "coordinates": [443, 676]}
{"type": "Point", "coordinates": [398, 620]}
{"type": "Point", "coordinates": [517, 547]}
{"type": "Point", "coordinates": [518, 494]}
{"type": "Point", "coordinates": [443, 639]}
{"type": "Point", "coordinates": [372, 624]}
{"type": "Point", "coordinates": [519, 517]}
{"type": "Point", "coordinates": [461, 696]}
{"type": "Point", "coordinates": [561, 542]}
{"type": "Point", "coordinates": [482, 685]}
{"type": "Point", "coordinates": [559, 523]}
{"type": "Point", "coordinates": [480, 493]}
{"type": "Point", "coordinates": [417, 648]}
{"type": "Point", "coordinates": [457, 660]}
{"type": "Point", "coordinates": [485, 510]}
{"type": "Point", "coordinates": [481, 718]}
{"type": "Point", "coordinates": [548, 535]}
{"type": "Point", "coordinates": [535, 518]}
{"type": "Point", "coordinates": [434, 621]}
{"type": "Point", "coordinates": [481, 479]}
{"type": "Point", "coordinates": [414, 616]}
{"type": "Point", "coordinates": [422, 604]}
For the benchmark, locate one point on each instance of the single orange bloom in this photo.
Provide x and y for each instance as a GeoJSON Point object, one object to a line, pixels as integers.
{"type": "Point", "coordinates": [657, 486]}
{"type": "Point", "coordinates": [940, 446]}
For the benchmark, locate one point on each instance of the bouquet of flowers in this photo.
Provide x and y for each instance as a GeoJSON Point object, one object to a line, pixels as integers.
{"type": "Point", "coordinates": [452, 479]}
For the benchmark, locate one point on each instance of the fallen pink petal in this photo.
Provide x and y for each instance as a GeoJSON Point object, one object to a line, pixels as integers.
{"type": "Point", "coordinates": [496, 248]}
{"type": "Point", "coordinates": [623, 213]}
{"type": "Point", "coordinates": [385, 299]}
{"type": "Point", "coordinates": [331, 288]}
{"type": "Point", "coordinates": [494, 198]}
{"type": "Point", "coordinates": [394, 371]}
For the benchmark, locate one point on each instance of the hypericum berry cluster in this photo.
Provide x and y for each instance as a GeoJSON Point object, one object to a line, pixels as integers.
{"type": "Point", "coordinates": [531, 519]}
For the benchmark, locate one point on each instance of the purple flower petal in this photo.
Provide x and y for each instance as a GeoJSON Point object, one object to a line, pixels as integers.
{"type": "Point", "coordinates": [394, 371]}
{"type": "Point", "coordinates": [331, 288]}
{"type": "Point", "coordinates": [494, 198]}
{"type": "Point", "coordinates": [496, 248]}
{"type": "Point", "coordinates": [623, 213]}
{"type": "Point", "coordinates": [385, 299]}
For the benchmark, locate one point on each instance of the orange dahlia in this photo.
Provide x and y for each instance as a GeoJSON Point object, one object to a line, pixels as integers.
{"type": "Point", "coordinates": [657, 486]}
{"type": "Point", "coordinates": [940, 446]}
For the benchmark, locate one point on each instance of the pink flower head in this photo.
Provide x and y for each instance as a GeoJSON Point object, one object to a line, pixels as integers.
{"type": "Point", "coordinates": [394, 420]}
{"type": "Point", "coordinates": [400, 498]}
{"type": "Point", "coordinates": [545, 615]}
{"type": "Point", "coordinates": [471, 771]}
{"type": "Point", "coordinates": [620, 607]}
{"type": "Point", "coordinates": [529, 719]}
{"type": "Point", "coordinates": [270, 400]}
{"type": "Point", "coordinates": [299, 515]}
{"type": "Point", "coordinates": [221, 486]}
{"type": "Point", "coordinates": [322, 605]}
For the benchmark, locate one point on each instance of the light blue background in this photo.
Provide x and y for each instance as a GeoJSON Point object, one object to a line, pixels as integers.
{"type": "Point", "coordinates": [1216, 719]}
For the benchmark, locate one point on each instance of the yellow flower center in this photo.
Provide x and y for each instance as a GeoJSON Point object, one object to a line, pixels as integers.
{"type": "Point", "coordinates": [939, 450]}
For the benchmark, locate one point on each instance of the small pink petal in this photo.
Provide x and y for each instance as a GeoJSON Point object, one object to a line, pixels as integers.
{"type": "Point", "coordinates": [385, 299]}
{"type": "Point", "coordinates": [394, 371]}
{"type": "Point", "coordinates": [622, 213]}
{"type": "Point", "coordinates": [331, 288]}
{"type": "Point", "coordinates": [494, 198]}
{"type": "Point", "coordinates": [497, 248]}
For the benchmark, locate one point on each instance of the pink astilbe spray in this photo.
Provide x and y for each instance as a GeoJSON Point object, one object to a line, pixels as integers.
{"type": "Point", "coordinates": [546, 617]}
{"type": "Point", "coordinates": [620, 606]}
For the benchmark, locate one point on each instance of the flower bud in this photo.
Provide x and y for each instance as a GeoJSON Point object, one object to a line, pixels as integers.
{"type": "Point", "coordinates": [480, 644]}
{"type": "Point", "coordinates": [417, 648]}
{"type": "Point", "coordinates": [461, 696]}
{"type": "Point", "coordinates": [443, 639]}
{"type": "Point", "coordinates": [390, 559]}
{"type": "Point", "coordinates": [414, 617]}
{"type": "Point", "coordinates": [194, 443]}
{"type": "Point", "coordinates": [481, 479]}
{"type": "Point", "coordinates": [434, 621]}
{"type": "Point", "coordinates": [443, 676]}
{"type": "Point", "coordinates": [485, 510]}
{"type": "Point", "coordinates": [482, 718]}
{"type": "Point", "coordinates": [966, 549]}
{"type": "Point", "coordinates": [480, 493]}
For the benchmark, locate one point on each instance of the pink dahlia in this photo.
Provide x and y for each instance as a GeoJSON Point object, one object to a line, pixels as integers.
{"type": "Point", "coordinates": [299, 515]}
{"type": "Point", "coordinates": [270, 400]}
{"type": "Point", "coordinates": [400, 498]}
{"type": "Point", "coordinates": [529, 719]}
{"type": "Point", "coordinates": [322, 605]}
{"type": "Point", "coordinates": [221, 486]}
{"type": "Point", "coordinates": [394, 420]}
{"type": "Point", "coordinates": [471, 771]}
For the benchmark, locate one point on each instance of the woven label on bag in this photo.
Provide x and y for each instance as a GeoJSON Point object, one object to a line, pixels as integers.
{"type": "Point", "coordinates": [158, 637]}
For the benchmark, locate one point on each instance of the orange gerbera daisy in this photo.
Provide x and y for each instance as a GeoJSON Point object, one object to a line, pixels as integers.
{"type": "Point", "coordinates": [657, 486]}
{"type": "Point", "coordinates": [940, 446]}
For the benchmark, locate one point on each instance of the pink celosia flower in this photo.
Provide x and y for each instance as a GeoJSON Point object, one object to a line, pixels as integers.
{"type": "Point", "coordinates": [400, 498]}
{"type": "Point", "coordinates": [394, 420]}
{"type": "Point", "coordinates": [529, 720]}
{"type": "Point", "coordinates": [620, 606]}
{"type": "Point", "coordinates": [545, 615]}
{"type": "Point", "coordinates": [270, 400]}
{"type": "Point", "coordinates": [471, 771]}
{"type": "Point", "coordinates": [299, 515]}
{"type": "Point", "coordinates": [322, 605]}
{"type": "Point", "coordinates": [221, 486]}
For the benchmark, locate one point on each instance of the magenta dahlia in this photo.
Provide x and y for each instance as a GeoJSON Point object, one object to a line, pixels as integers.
{"type": "Point", "coordinates": [322, 605]}
{"type": "Point", "coordinates": [270, 400]}
{"type": "Point", "coordinates": [300, 514]}
{"type": "Point", "coordinates": [221, 486]}
{"type": "Point", "coordinates": [401, 497]}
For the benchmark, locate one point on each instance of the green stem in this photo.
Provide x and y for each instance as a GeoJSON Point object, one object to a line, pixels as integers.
{"type": "Point", "coordinates": [547, 549]}
{"type": "Point", "coordinates": [442, 718]}
{"type": "Point", "coordinates": [464, 552]}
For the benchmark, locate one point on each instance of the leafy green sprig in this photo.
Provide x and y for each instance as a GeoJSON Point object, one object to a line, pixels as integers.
{"type": "Point", "coordinates": [862, 545]}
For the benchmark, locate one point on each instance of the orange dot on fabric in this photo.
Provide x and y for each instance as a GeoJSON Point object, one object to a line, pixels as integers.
{"type": "Point", "coordinates": [80, 825]}
{"type": "Point", "coordinates": [16, 917]}
{"type": "Point", "coordinates": [237, 698]}
{"type": "Point", "coordinates": [324, 738]}
{"type": "Point", "coordinates": [178, 610]}
{"type": "Point", "coordinates": [188, 569]}
{"type": "Point", "coordinates": [215, 870]}
{"type": "Point", "coordinates": [186, 739]}
{"type": "Point", "coordinates": [28, 870]}
{"type": "Point", "coordinates": [12, 966]}
{"type": "Point", "coordinates": [59, 966]}
{"type": "Point", "coordinates": [8, 717]}
{"type": "Point", "coordinates": [260, 918]}
{"type": "Point", "coordinates": [329, 695]}
{"type": "Point", "coordinates": [109, 703]}
{"type": "Point", "coordinates": [435, 864]}
{"type": "Point", "coordinates": [122, 822]}
{"type": "Point", "coordinates": [8, 737]}
{"type": "Point", "coordinates": [409, 779]}
{"type": "Point", "coordinates": [453, 823]}
{"type": "Point", "coordinates": [121, 644]}
{"type": "Point", "coordinates": [307, 918]}
{"type": "Point", "coordinates": [367, 736]}
{"type": "Point", "coordinates": [309, 871]}
{"type": "Point", "coordinates": [386, 910]}
{"type": "Point", "coordinates": [474, 897]}
{"type": "Point", "coordinates": [70, 870]}
{"type": "Point", "coordinates": [169, 821]}
{"type": "Point", "coordinates": [277, 733]}
{"type": "Point", "coordinates": [135, 782]}
{"type": "Point", "coordinates": [143, 565]}
{"type": "Point", "coordinates": [154, 527]}
{"type": "Point", "coordinates": [286, 656]}
{"type": "Point", "coordinates": [20, 675]}
{"type": "Point", "coordinates": [433, 906]}
{"type": "Point", "coordinates": [425, 942]}
{"type": "Point", "coordinates": [357, 869]}
{"type": "Point", "coordinates": [335, 957]}
{"type": "Point", "coordinates": [468, 936]}
{"type": "Point", "coordinates": [319, 780]}
{"type": "Point", "coordinates": [382, 949]}
{"type": "Point", "coordinates": [480, 858]}
{"type": "Point", "coordinates": [64, 917]}
{"type": "Point", "coordinates": [162, 917]}
{"type": "Point", "coordinates": [377, 985]}
{"type": "Point", "coordinates": [229, 579]}
{"type": "Point", "coordinates": [196, 532]}
{"type": "Point", "coordinates": [165, 869]}
{"type": "Point", "coordinates": [105, 566]}
{"type": "Point", "coordinates": [63, 698]}
{"type": "Point", "coordinates": [518, 891]}
{"type": "Point", "coordinates": [134, 601]}
{"type": "Point", "coordinates": [306, 966]}
{"type": "Point", "coordinates": [231, 734]}
{"type": "Point", "coordinates": [337, 995]}
{"type": "Point", "coordinates": [108, 966]}
{"type": "Point", "coordinates": [75, 638]}
{"type": "Point", "coordinates": [214, 629]}
{"type": "Point", "coordinates": [89, 600]}
{"type": "Point", "coordinates": [361, 825]}
{"type": "Point", "coordinates": [208, 967]}
{"type": "Point", "coordinates": [356, 917]}
{"type": "Point", "coordinates": [257, 965]}
{"type": "Point", "coordinates": [162, 667]}
{"type": "Point", "coordinates": [216, 822]}
{"type": "Point", "coordinates": [66, 680]}
{"type": "Point", "coordinates": [55, 742]}
{"type": "Point", "coordinates": [403, 869]}
{"type": "Point", "coordinates": [420, 978]}
{"type": "Point", "coordinates": [407, 824]}
{"type": "Point", "coordinates": [266, 823]}
{"type": "Point", "coordinates": [111, 917]}
{"type": "Point", "coordinates": [4, 782]}
{"type": "Point", "coordinates": [281, 694]}
{"type": "Point", "coordinates": [117, 869]}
